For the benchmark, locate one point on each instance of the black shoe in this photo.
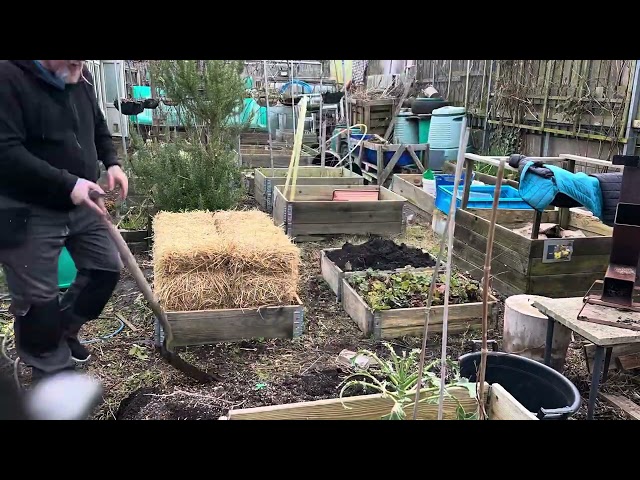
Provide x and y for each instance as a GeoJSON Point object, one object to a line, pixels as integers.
{"type": "Point", "coordinates": [78, 352]}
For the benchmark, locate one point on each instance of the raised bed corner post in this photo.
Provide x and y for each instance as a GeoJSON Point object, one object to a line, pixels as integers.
{"type": "Point", "coordinates": [467, 182]}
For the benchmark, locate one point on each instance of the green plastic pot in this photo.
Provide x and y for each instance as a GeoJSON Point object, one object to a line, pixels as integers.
{"type": "Point", "coordinates": [66, 269]}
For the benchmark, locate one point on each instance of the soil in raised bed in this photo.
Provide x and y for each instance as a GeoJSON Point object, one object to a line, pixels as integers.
{"type": "Point", "coordinates": [379, 254]}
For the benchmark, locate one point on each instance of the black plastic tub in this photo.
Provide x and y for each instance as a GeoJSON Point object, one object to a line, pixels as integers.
{"type": "Point", "coordinates": [540, 389]}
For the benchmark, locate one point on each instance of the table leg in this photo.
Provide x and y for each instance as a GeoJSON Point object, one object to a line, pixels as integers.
{"type": "Point", "coordinates": [607, 361]}
{"type": "Point", "coordinates": [549, 344]}
{"type": "Point", "coordinates": [595, 380]}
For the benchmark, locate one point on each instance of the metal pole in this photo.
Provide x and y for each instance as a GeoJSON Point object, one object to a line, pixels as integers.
{"type": "Point", "coordinates": [121, 95]}
{"type": "Point", "coordinates": [323, 123]}
{"type": "Point", "coordinates": [293, 105]}
{"type": "Point", "coordinates": [632, 133]}
{"type": "Point", "coordinates": [266, 93]}
{"type": "Point", "coordinates": [346, 113]}
{"type": "Point", "coordinates": [485, 136]}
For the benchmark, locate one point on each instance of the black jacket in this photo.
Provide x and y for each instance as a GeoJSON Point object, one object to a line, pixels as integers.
{"type": "Point", "coordinates": [49, 135]}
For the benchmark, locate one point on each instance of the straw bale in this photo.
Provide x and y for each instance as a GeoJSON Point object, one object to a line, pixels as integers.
{"type": "Point", "coordinates": [227, 259]}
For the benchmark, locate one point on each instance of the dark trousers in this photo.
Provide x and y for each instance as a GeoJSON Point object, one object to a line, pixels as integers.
{"type": "Point", "coordinates": [44, 318]}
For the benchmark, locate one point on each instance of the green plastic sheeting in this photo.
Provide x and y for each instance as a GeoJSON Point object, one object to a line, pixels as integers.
{"type": "Point", "coordinates": [252, 115]}
{"type": "Point", "coordinates": [146, 116]}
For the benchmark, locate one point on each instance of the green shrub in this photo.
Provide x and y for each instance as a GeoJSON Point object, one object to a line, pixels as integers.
{"type": "Point", "coordinates": [199, 172]}
{"type": "Point", "coordinates": [188, 176]}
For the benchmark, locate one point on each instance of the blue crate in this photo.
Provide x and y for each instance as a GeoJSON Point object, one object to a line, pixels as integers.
{"type": "Point", "coordinates": [449, 179]}
{"type": "Point", "coordinates": [481, 197]}
{"type": "Point", "coordinates": [370, 156]}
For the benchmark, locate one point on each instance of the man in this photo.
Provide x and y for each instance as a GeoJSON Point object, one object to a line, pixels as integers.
{"type": "Point", "coordinates": [52, 135]}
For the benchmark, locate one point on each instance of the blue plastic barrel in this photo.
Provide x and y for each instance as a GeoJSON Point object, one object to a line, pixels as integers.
{"type": "Point", "coordinates": [446, 124]}
{"type": "Point", "coordinates": [405, 130]}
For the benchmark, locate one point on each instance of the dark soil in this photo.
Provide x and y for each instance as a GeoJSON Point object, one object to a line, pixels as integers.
{"type": "Point", "coordinates": [379, 254]}
{"type": "Point", "coordinates": [260, 372]}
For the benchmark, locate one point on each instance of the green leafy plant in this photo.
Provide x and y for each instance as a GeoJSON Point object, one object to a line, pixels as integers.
{"type": "Point", "coordinates": [134, 217]}
{"type": "Point", "coordinates": [383, 291]}
{"type": "Point", "coordinates": [139, 352]}
{"type": "Point", "coordinates": [397, 379]}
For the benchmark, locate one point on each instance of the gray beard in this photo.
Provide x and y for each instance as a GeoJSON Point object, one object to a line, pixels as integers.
{"type": "Point", "coordinates": [63, 74]}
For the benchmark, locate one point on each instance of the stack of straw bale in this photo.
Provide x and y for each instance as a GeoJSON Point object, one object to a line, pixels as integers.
{"type": "Point", "coordinates": [205, 260]}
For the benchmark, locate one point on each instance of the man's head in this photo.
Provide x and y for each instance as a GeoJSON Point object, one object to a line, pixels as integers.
{"type": "Point", "coordinates": [70, 71]}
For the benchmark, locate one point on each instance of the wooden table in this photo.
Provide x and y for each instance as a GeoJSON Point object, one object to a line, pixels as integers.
{"type": "Point", "coordinates": [565, 311]}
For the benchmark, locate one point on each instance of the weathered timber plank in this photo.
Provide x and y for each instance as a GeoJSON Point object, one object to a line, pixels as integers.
{"type": "Point", "coordinates": [500, 253]}
{"type": "Point", "coordinates": [331, 273]}
{"type": "Point", "coordinates": [356, 308]}
{"type": "Point", "coordinates": [589, 223]}
{"type": "Point", "coordinates": [629, 362]}
{"type": "Point", "coordinates": [456, 327]}
{"type": "Point", "coordinates": [565, 311]}
{"type": "Point", "coordinates": [210, 326]}
{"type": "Point", "coordinates": [577, 264]}
{"type": "Point", "coordinates": [503, 406]}
{"type": "Point", "coordinates": [581, 246]}
{"type": "Point", "coordinates": [371, 228]}
{"type": "Point", "coordinates": [555, 286]}
{"type": "Point", "coordinates": [340, 212]}
{"type": "Point", "coordinates": [477, 273]}
{"type": "Point", "coordinates": [503, 236]}
{"type": "Point", "coordinates": [314, 193]}
{"type": "Point", "coordinates": [365, 407]}
{"type": "Point", "coordinates": [498, 268]}
{"type": "Point", "coordinates": [405, 186]}
{"type": "Point", "coordinates": [629, 407]}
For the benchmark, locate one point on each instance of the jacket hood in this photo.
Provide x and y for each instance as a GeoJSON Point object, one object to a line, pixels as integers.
{"type": "Point", "coordinates": [34, 68]}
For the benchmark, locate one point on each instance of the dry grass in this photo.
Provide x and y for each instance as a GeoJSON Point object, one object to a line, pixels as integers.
{"type": "Point", "coordinates": [206, 260]}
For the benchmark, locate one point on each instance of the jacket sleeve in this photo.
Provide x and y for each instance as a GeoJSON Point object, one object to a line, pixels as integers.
{"type": "Point", "coordinates": [19, 168]}
{"type": "Point", "coordinates": [102, 136]}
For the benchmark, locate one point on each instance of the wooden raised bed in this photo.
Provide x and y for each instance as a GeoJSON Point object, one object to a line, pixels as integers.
{"type": "Point", "coordinates": [333, 274]}
{"type": "Point", "coordinates": [394, 323]}
{"type": "Point", "coordinates": [266, 179]}
{"type": "Point", "coordinates": [501, 406]}
{"type": "Point", "coordinates": [518, 265]}
{"type": "Point", "coordinates": [313, 213]}
{"type": "Point", "coordinates": [256, 156]}
{"type": "Point", "coordinates": [205, 327]}
{"type": "Point", "coordinates": [137, 240]}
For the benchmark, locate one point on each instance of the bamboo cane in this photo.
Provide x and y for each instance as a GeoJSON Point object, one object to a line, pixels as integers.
{"type": "Point", "coordinates": [292, 173]}
{"type": "Point", "coordinates": [486, 287]}
{"type": "Point", "coordinates": [459, 165]}
{"type": "Point", "coordinates": [464, 141]}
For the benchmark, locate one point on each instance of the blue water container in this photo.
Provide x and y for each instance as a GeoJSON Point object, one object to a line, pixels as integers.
{"type": "Point", "coordinates": [445, 128]}
{"type": "Point", "coordinates": [406, 129]}
{"type": "Point", "coordinates": [481, 197]}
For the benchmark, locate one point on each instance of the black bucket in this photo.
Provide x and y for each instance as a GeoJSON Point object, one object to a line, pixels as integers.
{"type": "Point", "coordinates": [540, 389]}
